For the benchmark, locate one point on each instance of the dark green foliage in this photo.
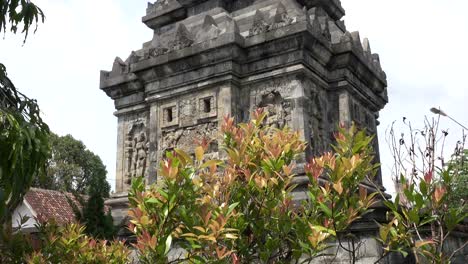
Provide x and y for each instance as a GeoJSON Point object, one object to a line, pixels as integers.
{"type": "Point", "coordinates": [24, 138]}
{"type": "Point", "coordinates": [19, 12]}
{"type": "Point", "coordinates": [99, 224]}
{"type": "Point", "coordinates": [24, 145]}
{"type": "Point", "coordinates": [14, 245]}
{"type": "Point", "coordinates": [458, 166]}
{"type": "Point", "coordinates": [72, 168]}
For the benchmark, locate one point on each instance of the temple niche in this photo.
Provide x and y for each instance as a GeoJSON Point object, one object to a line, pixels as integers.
{"type": "Point", "coordinates": [278, 111]}
{"type": "Point", "coordinates": [136, 151]}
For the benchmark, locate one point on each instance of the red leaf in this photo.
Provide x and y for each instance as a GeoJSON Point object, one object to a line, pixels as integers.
{"type": "Point", "coordinates": [428, 176]}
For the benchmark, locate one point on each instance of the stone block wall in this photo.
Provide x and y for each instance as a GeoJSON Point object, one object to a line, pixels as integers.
{"type": "Point", "coordinates": [211, 58]}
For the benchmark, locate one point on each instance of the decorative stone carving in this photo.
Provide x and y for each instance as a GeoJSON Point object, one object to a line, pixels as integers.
{"type": "Point", "coordinates": [157, 48]}
{"type": "Point", "coordinates": [376, 62]}
{"type": "Point", "coordinates": [161, 4]}
{"type": "Point", "coordinates": [230, 26]}
{"type": "Point", "coordinates": [367, 49]}
{"type": "Point", "coordinates": [209, 30]}
{"type": "Point", "coordinates": [325, 28]}
{"type": "Point", "coordinates": [346, 38]}
{"type": "Point", "coordinates": [158, 51]}
{"type": "Point", "coordinates": [281, 18]}
{"type": "Point", "coordinates": [132, 58]}
{"type": "Point", "coordinates": [170, 139]}
{"type": "Point", "coordinates": [315, 25]}
{"type": "Point", "coordinates": [316, 111]}
{"type": "Point", "coordinates": [319, 21]}
{"type": "Point", "coordinates": [278, 110]}
{"type": "Point", "coordinates": [188, 113]}
{"type": "Point", "coordinates": [284, 86]}
{"type": "Point", "coordinates": [186, 138]}
{"type": "Point", "coordinates": [357, 41]}
{"type": "Point", "coordinates": [172, 100]}
{"type": "Point", "coordinates": [136, 151]}
{"type": "Point", "coordinates": [182, 39]}
{"type": "Point", "coordinates": [118, 68]}
{"type": "Point", "coordinates": [260, 24]}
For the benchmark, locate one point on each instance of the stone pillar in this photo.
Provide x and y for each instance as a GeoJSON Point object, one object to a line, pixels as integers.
{"type": "Point", "coordinates": [344, 108]}
{"type": "Point", "coordinates": [225, 102]}
{"type": "Point", "coordinates": [119, 172]}
{"type": "Point", "coordinates": [153, 147]}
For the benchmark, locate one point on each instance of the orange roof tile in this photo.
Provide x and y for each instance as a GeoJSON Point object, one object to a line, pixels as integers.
{"type": "Point", "coordinates": [49, 204]}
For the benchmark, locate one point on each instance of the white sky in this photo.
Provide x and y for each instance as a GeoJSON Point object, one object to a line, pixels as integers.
{"type": "Point", "coordinates": [423, 46]}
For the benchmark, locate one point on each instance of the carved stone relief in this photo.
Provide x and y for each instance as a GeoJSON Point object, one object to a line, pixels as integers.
{"type": "Point", "coordinates": [187, 138]}
{"type": "Point", "coordinates": [136, 150]}
{"type": "Point", "coordinates": [259, 25]}
{"type": "Point", "coordinates": [275, 97]}
{"type": "Point", "coordinates": [281, 18]}
{"type": "Point", "coordinates": [182, 39]}
{"type": "Point", "coordinates": [316, 111]}
{"type": "Point", "coordinates": [188, 111]}
{"type": "Point", "coordinates": [263, 23]}
{"type": "Point", "coordinates": [278, 110]}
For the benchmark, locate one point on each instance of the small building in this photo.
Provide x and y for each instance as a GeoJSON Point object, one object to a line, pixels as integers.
{"type": "Point", "coordinates": [45, 205]}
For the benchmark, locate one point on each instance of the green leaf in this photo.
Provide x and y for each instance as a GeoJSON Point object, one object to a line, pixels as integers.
{"type": "Point", "coordinates": [153, 200]}
{"type": "Point", "coordinates": [390, 205]}
{"type": "Point", "coordinates": [423, 188]}
{"type": "Point", "coordinates": [409, 195]}
{"type": "Point", "coordinates": [168, 244]}
{"type": "Point", "coordinates": [185, 156]}
{"type": "Point", "coordinates": [232, 207]}
{"type": "Point", "coordinates": [210, 163]}
{"type": "Point", "coordinates": [413, 216]}
{"type": "Point", "coordinates": [324, 229]}
{"type": "Point", "coordinates": [326, 210]}
{"type": "Point", "coordinates": [427, 220]}
{"type": "Point", "coordinates": [419, 200]}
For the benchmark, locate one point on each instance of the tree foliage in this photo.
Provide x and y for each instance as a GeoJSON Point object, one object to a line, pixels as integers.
{"type": "Point", "coordinates": [98, 222]}
{"type": "Point", "coordinates": [458, 167]}
{"type": "Point", "coordinates": [73, 168]}
{"type": "Point", "coordinates": [23, 134]}
{"type": "Point", "coordinates": [24, 146]}
{"type": "Point", "coordinates": [19, 13]}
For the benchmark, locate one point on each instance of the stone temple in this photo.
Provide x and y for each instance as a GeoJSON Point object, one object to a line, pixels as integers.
{"type": "Point", "coordinates": [212, 58]}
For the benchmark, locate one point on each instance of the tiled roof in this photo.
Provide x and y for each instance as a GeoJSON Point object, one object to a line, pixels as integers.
{"type": "Point", "coordinates": [49, 204]}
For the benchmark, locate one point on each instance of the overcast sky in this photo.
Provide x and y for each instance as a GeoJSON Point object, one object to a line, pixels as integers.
{"type": "Point", "coordinates": [423, 46]}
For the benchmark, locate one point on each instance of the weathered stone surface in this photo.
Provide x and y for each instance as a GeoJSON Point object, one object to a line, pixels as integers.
{"type": "Point", "coordinates": [272, 51]}
{"type": "Point", "coordinates": [211, 58]}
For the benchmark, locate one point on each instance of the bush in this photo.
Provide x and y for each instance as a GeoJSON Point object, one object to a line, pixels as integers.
{"type": "Point", "coordinates": [425, 211]}
{"type": "Point", "coordinates": [241, 209]}
{"type": "Point", "coordinates": [69, 244]}
{"type": "Point", "coordinates": [236, 210]}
